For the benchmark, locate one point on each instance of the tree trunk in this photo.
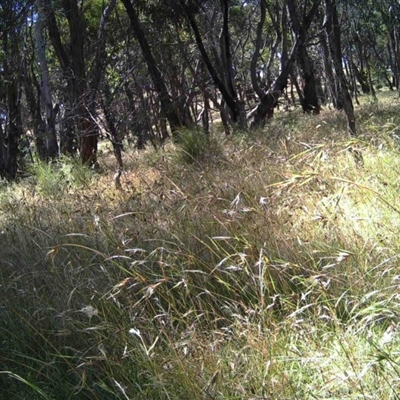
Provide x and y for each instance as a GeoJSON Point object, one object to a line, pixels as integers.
{"type": "Point", "coordinates": [310, 96]}
{"type": "Point", "coordinates": [330, 81]}
{"type": "Point", "coordinates": [332, 31]}
{"type": "Point", "coordinates": [158, 81]}
{"type": "Point", "coordinates": [50, 137]}
{"type": "Point", "coordinates": [38, 124]}
{"type": "Point", "coordinates": [361, 78]}
{"type": "Point", "coordinates": [265, 108]}
{"type": "Point", "coordinates": [68, 134]}
{"type": "Point", "coordinates": [11, 135]}
{"type": "Point", "coordinates": [86, 123]}
{"type": "Point", "coordinates": [227, 90]}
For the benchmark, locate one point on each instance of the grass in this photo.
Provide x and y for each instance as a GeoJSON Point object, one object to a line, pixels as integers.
{"type": "Point", "coordinates": [267, 268]}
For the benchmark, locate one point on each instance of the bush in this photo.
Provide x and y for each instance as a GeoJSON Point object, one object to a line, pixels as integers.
{"type": "Point", "coordinates": [195, 146]}
{"type": "Point", "coordinates": [53, 177]}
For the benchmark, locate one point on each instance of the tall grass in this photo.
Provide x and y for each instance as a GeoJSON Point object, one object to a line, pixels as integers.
{"type": "Point", "coordinates": [269, 271]}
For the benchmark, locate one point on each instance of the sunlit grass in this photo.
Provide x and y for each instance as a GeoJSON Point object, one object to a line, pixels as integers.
{"type": "Point", "coordinates": [267, 267]}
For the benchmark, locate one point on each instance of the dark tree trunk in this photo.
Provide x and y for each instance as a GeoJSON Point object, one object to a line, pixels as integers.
{"type": "Point", "coordinates": [224, 83]}
{"type": "Point", "coordinates": [265, 108]}
{"type": "Point", "coordinates": [257, 49]}
{"type": "Point", "coordinates": [10, 142]}
{"type": "Point", "coordinates": [310, 96]}
{"type": "Point", "coordinates": [38, 124]}
{"type": "Point", "coordinates": [86, 123]}
{"type": "Point", "coordinates": [50, 136]}
{"type": "Point", "coordinates": [332, 30]}
{"type": "Point", "coordinates": [158, 81]}
{"type": "Point", "coordinates": [11, 93]}
{"type": "Point", "coordinates": [362, 78]}
{"type": "Point", "coordinates": [228, 70]}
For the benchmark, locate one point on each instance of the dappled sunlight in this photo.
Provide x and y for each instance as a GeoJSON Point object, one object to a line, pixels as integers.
{"type": "Point", "coordinates": [269, 266]}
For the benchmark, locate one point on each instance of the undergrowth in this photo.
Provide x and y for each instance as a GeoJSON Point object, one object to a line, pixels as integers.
{"type": "Point", "coordinates": [259, 266]}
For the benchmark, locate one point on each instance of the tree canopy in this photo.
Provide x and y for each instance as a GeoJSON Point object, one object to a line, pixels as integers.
{"type": "Point", "coordinates": [74, 71]}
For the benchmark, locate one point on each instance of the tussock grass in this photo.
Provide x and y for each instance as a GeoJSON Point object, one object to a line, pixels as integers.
{"type": "Point", "coordinates": [267, 267]}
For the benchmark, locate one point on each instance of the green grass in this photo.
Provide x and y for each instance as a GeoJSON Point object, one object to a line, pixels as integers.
{"type": "Point", "coordinates": [264, 267]}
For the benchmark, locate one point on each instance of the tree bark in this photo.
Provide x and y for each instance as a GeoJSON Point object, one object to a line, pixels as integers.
{"type": "Point", "coordinates": [158, 81]}
{"type": "Point", "coordinates": [87, 126]}
{"type": "Point", "coordinates": [11, 93]}
{"type": "Point", "coordinates": [332, 31]}
{"type": "Point", "coordinates": [330, 81]}
{"type": "Point", "coordinates": [227, 90]}
{"type": "Point", "coordinates": [310, 97]}
{"type": "Point", "coordinates": [68, 134]}
{"type": "Point", "coordinates": [50, 136]}
{"type": "Point", "coordinates": [267, 104]}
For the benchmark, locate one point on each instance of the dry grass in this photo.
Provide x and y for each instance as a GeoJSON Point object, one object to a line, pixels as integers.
{"type": "Point", "coordinates": [265, 268]}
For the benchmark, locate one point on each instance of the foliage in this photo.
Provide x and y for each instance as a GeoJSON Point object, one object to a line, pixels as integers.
{"type": "Point", "coordinates": [55, 178]}
{"type": "Point", "coordinates": [194, 146]}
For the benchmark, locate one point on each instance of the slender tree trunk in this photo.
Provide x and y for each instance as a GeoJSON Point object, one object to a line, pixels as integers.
{"type": "Point", "coordinates": [158, 81]}
{"type": "Point", "coordinates": [266, 106]}
{"type": "Point", "coordinates": [330, 81]}
{"type": "Point", "coordinates": [50, 138]}
{"type": "Point", "coordinates": [38, 124]}
{"type": "Point", "coordinates": [310, 96]}
{"type": "Point", "coordinates": [353, 80]}
{"type": "Point", "coordinates": [228, 65]}
{"type": "Point", "coordinates": [257, 48]}
{"type": "Point", "coordinates": [332, 30]}
{"type": "Point", "coordinates": [236, 108]}
{"type": "Point", "coordinates": [11, 93]}
{"type": "Point", "coordinates": [68, 134]}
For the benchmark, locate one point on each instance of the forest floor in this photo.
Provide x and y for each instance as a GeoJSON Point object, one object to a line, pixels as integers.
{"type": "Point", "coordinates": [262, 265]}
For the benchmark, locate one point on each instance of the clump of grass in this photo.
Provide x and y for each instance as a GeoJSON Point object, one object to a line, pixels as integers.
{"type": "Point", "coordinates": [272, 273]}
{"type": "Point", "coordinates": [195, 146]}
{"type": "Point", "coordinates": [54, 177]}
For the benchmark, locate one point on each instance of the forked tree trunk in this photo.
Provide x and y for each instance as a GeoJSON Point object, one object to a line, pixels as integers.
{"type": "Point", "coordinates": [310, 97]}
{"type": "Point", "coordinates": [265, 108]}
{"type": "Point", "coordinates": [158, 81]}
{"type": "Point", "coordinates": [223, 82]}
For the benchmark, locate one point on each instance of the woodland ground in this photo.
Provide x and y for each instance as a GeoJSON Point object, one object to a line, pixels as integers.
{"type": "Point", "coordinates": [262, 265]}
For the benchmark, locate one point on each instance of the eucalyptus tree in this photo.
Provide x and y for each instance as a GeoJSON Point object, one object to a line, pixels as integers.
{"type": "Point", "coordinates": [160, 85]}
{"type": "Point", "coordinates": [333, 35]}
{"type": "Point", "coordinates": [81, 58]}
{"type": "Point", "coordinates": [47, 136]}
{"type": "Point", "coordinates": [212, 19]}
{"type": "Point", "coordinates": [308, 95]}
{"type": "Point", "coordinates": [389, 11]}
{"type": "Point", "coordinates": [12, 19]}
{"type": "Point", "coordinates": [269, 99]}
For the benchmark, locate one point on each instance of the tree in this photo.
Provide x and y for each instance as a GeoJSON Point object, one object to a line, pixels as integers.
{"type": "Point", "coordinates": [49, 125]}
{"type": "Point", "coordinates": [158, 81]}
{"type": "Point", "coordinates": [269, 100]}
{"type": "Point", "coordinates": [223, 75]}
{"type": "Point", "coordinates": [309, 96]}
{"type": "Point", "coordinates": [333, 33]}
{"type": "Point", "coordinates": [12, 14]}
